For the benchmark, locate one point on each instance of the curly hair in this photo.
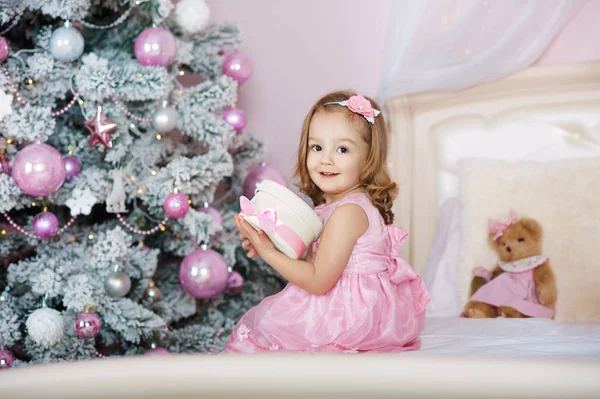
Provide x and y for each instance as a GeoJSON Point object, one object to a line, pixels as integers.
{"type": "Point", "coordinates": [375, 178]}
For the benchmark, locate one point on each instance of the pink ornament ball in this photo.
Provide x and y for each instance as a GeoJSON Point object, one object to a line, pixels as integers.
{"type": "Point", "coordinates": [72, 167]}
{"type": "Point", "coordinates": [237, 66]}
{"type": "Point", "coordinates": [176, 205]}
{"type": "Point", "coordinates": [259, 173]}
{"type": "Point", "coordinates": [155, 47]}
{"type": "Point", "coordinates": [39, 170]}
{"type": "Point", "coordinates": [87, 325]}
{"type": "Point", "coordinates": [4, 165]}
{"type": "Point", "coordinates": [203, 274]}
{"type": "Point", "coordinates": [216, 215]}
{"type": "Point", "coordinates": [235, 283]}
{"type": "Point", "coordinates": [157, 351]}
{"type": "Point", "coordinates": [45, 225]}
{"type": "Point", "coordinates": [236, 118]}
{"type": "Point", "coordinates": [6, 358]}
{"type": "Point", "coordinates": [4, 48]}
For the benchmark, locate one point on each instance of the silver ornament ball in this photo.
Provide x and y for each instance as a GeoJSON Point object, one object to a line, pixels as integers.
{"type": "Point", "coordinates": [66, 44]}
{"type": "Point", "coordinates": [164, 120]}
{"type": "Point", "coordinates": [117, 284]}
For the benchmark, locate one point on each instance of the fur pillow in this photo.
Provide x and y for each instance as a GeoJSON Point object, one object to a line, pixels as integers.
{"type": "Point", "coordinates": [564, 196]}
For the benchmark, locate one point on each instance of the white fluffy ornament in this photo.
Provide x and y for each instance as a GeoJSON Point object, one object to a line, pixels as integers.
{"type": "Point", "coordinates": [45, 326]}
{"type": "Point", "coordinates": [192, 15]}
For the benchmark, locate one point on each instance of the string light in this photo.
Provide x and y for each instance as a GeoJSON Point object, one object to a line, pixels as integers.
{"type": "Point", "coordinates": [8, 141]}
{"type": "Point", "coordinates": [162, 228]}
{"type": "Point", "coordinates": [141, 75]}
{"type": "Point", "coordinates": [3, 232]}
{"type": "Point", "coordinates": [132, 178]}
{"type": "Point", "coordinates": [153, 172]}
{"type": "Point", "coordinates": [33, 204]}
{"type": "Point", "coordinates": [158, 136]}
{"type": "Point", "coordinates": [91, 237]}
{"type": "Point", "coordinates": [132, 126]}
{"type": "Point", "coordinates": [30, 81]}
{"type": "Point", "coordinates": [181, 73]}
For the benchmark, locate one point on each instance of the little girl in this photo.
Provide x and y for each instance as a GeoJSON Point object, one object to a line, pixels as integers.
{"type": "Point", "coordinates": [353, 293]}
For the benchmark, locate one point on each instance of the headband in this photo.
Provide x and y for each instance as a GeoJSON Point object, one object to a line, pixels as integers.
{"type": "Point", "coordinates": [359, 105]}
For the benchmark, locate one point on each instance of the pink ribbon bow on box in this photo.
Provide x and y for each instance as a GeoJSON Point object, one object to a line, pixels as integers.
{"type": "Point", "coordinates": [497, 227]}
{"type": "Point", "coordinates": [267, 219]}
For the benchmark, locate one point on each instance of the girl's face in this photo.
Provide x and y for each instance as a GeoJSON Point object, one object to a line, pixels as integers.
{"type": "Point", "coordinates": [336, 154]}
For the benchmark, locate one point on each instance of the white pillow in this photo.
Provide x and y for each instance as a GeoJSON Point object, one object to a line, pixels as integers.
{"type": "Point", "coordinates": [441, 269]}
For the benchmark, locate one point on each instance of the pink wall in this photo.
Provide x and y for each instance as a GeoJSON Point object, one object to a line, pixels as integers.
{"type": "Point", "coordinates": [302, 49]}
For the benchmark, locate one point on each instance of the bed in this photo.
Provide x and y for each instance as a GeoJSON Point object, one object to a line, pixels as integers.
{"type": "Point", "coordinates": [545, 120]}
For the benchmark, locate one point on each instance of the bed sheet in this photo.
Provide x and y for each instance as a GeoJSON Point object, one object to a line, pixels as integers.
{"type": "Point", "coordinates": [531, 338]}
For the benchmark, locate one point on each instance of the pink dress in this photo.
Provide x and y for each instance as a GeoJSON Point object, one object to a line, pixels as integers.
{"type": "Point", "coordinates": [378, 304]}
{"type": "Point", "coordinates": [515, 288]}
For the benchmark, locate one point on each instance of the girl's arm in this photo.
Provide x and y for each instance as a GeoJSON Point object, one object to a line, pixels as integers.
{"type": "Point", "coordinates": [344, 227]}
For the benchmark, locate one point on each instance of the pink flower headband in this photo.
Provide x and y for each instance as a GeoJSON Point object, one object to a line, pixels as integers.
{"type": "Point", "coordinates": [359, 105]}
{"type": "Point", "coordinates": [497, 227]}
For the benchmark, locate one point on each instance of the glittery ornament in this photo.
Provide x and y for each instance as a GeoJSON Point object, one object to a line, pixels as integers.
{"type": "Point", "coordinates": [259, 173]}
{"type": "Point", "coordinates": [72, 167]}
{"type": "Point", "coordinates": [176, 205]}
{"type": "Point", "coordinates": [236, 118]}
{"type": "Point", "coordinates": [6, 358]}
{"type": "Point", "coordinates": [87, 324]}
{"type": "Point", "coordinates": [216, 215]}
{"type": "Point", "coordinates": [235, 283]}
{"type": "Point", "coordinates": [117, 284]}
{"type": "Point", "coordinates": [155, 47]}
{"type": "Point", "coordinates": [238, 66]}
{"type": "Point", "coordinates": [38, 170]}
{"type": "Point", "coordinates": [203, 273]}
{"type": "Point", "coordinates": [4, 48]}
{"type": "Point", "coordinates": [66, 44]}
{"type": "Point", "coordinates": [45, 326]}
{"type": "Point", "coordinates": [100, 128]}
{"type": "Point", "coordinates": [157, 351]}
{"type": "Point", "coordinates": [45, 225]}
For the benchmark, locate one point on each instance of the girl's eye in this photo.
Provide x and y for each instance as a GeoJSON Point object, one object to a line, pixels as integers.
{"type": "Point", "coordinates": [343, 150]}
{"type": "Point", "coordinates": [315, 147]}
{"type": "Point", "coordinates": [521, 239]}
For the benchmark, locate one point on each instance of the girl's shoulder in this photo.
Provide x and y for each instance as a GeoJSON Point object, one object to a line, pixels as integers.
{"type": "Point", "coordinates": [360, 199]}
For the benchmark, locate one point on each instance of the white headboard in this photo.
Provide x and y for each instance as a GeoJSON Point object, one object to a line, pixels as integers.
{"type": "Point", "coordinates": [545, 112]}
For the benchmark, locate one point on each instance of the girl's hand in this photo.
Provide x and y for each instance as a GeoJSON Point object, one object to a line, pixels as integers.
{"type": "Point", "coordinates": [256, 242]}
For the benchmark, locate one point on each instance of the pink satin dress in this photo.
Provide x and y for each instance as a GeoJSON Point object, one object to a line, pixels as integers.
{"type": "Point", "coordinates": [377, 305]}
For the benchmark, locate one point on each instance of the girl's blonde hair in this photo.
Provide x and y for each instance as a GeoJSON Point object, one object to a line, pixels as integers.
{"type": "Point", "coordinates": [378, 185]}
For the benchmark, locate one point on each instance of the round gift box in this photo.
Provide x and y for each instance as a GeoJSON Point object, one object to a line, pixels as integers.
{"type": "Point", "coordinates": [291, 211]}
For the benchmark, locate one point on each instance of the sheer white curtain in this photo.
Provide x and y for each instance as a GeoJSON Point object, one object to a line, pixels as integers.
{"type": "Point", "coordinates": [452, 44]}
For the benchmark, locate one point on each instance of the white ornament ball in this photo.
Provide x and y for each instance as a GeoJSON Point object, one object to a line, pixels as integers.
{"type": "Point", "coordinates": [164, 120]}
{"type": "Point", "coordinates": [192, 15]}
{"type": "Point", "coordinates": [45, 326]}
{"type": "Point", "coordinates": [66, 44]}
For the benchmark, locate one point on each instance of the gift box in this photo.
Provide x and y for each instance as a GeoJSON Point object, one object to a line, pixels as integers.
{"type": "Point", "coordinates": [290, 223]}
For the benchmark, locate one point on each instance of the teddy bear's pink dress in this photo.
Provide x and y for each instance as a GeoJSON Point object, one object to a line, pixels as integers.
{"type": "Point", "coordinates": [378, 304]}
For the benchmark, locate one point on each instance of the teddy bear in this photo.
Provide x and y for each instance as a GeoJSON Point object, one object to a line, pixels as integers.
{"type": "Point", "coordinates": [522, 284]}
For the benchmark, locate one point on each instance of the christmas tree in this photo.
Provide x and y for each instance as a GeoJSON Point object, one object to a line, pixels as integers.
{"type": "Point", "coordinates": [119, 181]}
